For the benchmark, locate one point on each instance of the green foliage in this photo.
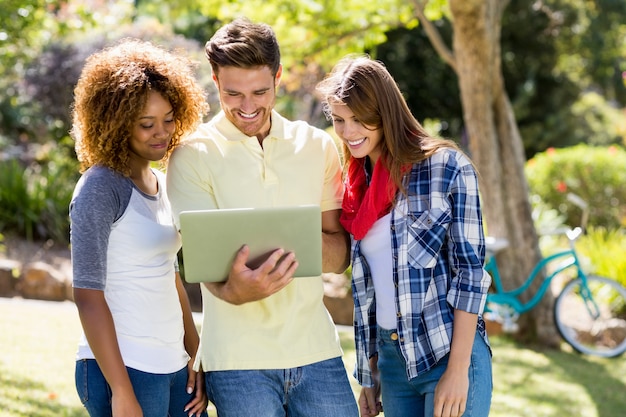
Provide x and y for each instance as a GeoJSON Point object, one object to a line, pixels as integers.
{"type": "Point", "coordinates": [27, 25]}
{"type": "Point", "coordinates": [596, 174]}
{"type": "Point", "coordinates": [428, 84]}
{"type": "Point", "coordinates": [51, 76]}
{"type": "Point", "coordinates": [16, 212]}
{"type": "Point", "coordinates": [319, 32]}
{"type": "Point", "coordinates": [544, 62]}
{"type": "Point", "coordinates": [34, 199]}
{"type": "Point", "coordinates": [605, 250]}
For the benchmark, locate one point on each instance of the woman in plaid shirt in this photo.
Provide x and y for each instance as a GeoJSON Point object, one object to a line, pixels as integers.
{"type": "Point", "coordinates": [412, 208]}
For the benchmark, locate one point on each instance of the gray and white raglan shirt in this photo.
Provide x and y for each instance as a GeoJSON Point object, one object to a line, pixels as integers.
{"type": "Point", "coordinates": [124, 242]}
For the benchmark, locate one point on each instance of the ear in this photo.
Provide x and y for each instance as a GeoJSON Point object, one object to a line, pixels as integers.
{"type": "Point", "coordinates": [217, 83]}
{"type": "Point", "coordinates": [279, 73]}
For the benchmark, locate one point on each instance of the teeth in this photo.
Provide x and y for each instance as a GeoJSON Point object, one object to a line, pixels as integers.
{"type": "Point", "coordinates": [248, 116]}
{"type": "Point", "coordinates": [356, 142]}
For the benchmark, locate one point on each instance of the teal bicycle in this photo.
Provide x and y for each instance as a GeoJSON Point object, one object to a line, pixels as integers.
{"type": "Point", "coordinates": [589, 310]}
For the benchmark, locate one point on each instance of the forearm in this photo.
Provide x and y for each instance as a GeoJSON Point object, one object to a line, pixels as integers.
{"type": "Point", "coordinates": [463, 334]}
{"type": "Point", "coordinates": [99, 329]}
{"type": "Point", "coordinates": [335, 252]}
{"type": "Point", "coordinates": [191, 339]}
{"type": "Point", "coordinates": [335, 243]}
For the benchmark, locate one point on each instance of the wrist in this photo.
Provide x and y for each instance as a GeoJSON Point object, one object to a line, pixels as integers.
{"type": "Point", "coordinates": [224, 292]}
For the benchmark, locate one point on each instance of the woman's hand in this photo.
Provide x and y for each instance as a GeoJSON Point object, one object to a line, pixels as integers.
{"type": "Point", "coordinates": [369, 399]}
{"type": "Point", "coordinates": [195, 384]}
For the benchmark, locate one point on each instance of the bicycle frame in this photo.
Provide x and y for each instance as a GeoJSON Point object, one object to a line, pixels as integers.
{"type": "Point", "coordinates": [511, 298]}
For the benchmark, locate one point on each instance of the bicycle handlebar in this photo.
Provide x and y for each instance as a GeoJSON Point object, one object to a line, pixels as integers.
{"type": "Point", "coordinates": [494, 245]}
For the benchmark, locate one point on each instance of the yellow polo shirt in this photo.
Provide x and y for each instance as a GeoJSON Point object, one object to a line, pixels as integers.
{"type": "Point", "coordinates": [220, 167]}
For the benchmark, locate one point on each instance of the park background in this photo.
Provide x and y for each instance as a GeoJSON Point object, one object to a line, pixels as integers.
{"type": "Point", "coordinates": [533, 90]}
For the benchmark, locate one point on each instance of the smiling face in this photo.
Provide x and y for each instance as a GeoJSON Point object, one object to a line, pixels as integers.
{"type": "Point", "coordinates": [362, 140]}
{"type": "Point", "coordinates": [247, 97]}
{"type": "Point", "coordinates": [153, 130]}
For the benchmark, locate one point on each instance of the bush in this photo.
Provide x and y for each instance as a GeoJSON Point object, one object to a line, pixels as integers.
{"type": "Point", "coordinates": [596, 174]}
{"type": "Point", "coordinates": [605, 250]}
{"type": "Point", "coordinates": [35, 197]}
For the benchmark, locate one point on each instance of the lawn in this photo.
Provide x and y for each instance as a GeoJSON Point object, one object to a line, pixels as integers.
{"type": "Point", "coordinates": [38, 340]}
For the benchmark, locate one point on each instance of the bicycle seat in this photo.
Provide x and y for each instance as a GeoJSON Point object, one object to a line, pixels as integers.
{"type": "Point", "coordinates": [495, 244]}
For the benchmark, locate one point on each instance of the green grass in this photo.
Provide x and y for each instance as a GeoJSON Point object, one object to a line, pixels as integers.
{"type": "Point", "coordinates": [38, 341]}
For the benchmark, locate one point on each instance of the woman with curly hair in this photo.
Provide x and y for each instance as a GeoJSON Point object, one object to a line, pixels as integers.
{"type": "Point", "coordinates": [133, 103]}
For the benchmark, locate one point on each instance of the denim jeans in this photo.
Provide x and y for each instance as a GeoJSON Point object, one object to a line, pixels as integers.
{"type": "Point", "coordinates": [402, 397]}
{"type": "Point", "coordinates": [160, 395]}
{"type": "Point", "coordinates": [317, 390]}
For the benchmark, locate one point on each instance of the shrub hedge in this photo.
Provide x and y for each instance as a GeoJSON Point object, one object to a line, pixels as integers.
{"type": "Point", "coordinates": [596, 174]}
{"type": "Point", "coordinates": [35, 194]}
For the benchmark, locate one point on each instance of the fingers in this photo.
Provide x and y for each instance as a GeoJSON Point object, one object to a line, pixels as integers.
{"type": "Point", "coordinates": [245, 285]}
{"type": "Point", "coordinates": [191, 381]}
{"type": "Point", "coordinates": [279, 268]}
{"type": "Point", "coordinates": [450, 409]}
{"type": "Point", "coordinates": [449, 406]}
{"type": "Point", "coordinates": [368, 404]}
{"type": "Point", "coordinates": [286, 265]}
{"type": "Point", "coordinates": [241, 258]}
{"type": "Point", "coordinates": [197, 404]}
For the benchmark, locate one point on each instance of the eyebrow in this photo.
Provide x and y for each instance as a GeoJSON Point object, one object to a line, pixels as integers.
{"type": "Point", "coordinates": [260, 90]}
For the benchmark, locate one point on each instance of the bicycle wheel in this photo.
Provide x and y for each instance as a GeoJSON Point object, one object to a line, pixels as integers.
{"type": "Point", "coordinates": [593, 322]}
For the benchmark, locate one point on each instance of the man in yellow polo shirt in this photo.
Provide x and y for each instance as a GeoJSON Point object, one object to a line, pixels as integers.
{"type": "Point", "coordinates": [268, 344]}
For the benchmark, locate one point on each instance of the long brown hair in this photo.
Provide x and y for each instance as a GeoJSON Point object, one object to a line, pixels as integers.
{"type": "Point", "coordinates": [371, 93]}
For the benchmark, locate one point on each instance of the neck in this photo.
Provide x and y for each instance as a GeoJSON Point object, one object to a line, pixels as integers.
{"type": "Point", "coordinates": [265, 133]}
{"type": "Point", "coordinates": [144, 179]}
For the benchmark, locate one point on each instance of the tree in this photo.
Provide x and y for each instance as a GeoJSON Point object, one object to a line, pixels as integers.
{"type": "Point", "coordinates": [494, 140]}
{"type": "Point", "coordinates": [321, 32]}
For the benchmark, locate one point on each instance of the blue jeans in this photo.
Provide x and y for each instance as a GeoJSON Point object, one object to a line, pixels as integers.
{"type": "Point", "coordinates": [402, 397]}
{"type": "Point", "coordinates": [317, 390]}
{"type": "Point", "coordinates": [160, 395]}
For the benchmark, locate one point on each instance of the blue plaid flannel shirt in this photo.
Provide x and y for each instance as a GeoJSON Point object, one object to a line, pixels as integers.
{"type": "Point", "coordinates": [437, 241]}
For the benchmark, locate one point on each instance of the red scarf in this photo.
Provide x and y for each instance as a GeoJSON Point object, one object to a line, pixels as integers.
{"type": "Point", "coordinates": [363, 204]}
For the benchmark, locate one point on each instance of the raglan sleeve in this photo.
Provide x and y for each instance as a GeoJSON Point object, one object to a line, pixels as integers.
{"type": "Point", "coordinates": [100, 198]}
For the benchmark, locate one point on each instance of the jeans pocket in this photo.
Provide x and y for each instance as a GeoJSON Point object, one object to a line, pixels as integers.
{"type": "Point", "coordinates": [80, 376]}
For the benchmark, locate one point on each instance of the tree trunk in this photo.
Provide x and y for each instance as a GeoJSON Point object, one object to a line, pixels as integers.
{"type": "Point", "coordinates": [496, 149]}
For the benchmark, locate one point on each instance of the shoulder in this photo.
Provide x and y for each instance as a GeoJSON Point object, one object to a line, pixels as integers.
{"type": "Point", "coordinates": [99, 179]}
{"type": "Point", "coordinates": [441, 169]}
{"type": "Point", "coordinates": [446, 158]}
{"type": "Point", "coordinates": [101, 186]}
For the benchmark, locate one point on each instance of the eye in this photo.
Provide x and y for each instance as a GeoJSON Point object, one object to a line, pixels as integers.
{"type": "Point", "coordinates": [150, 126]}
{"type": "Point", "coordinates": [337, 120]}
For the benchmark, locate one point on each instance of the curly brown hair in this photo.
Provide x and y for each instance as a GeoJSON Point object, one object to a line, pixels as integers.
{"type": "Point", "coordinates": [112, 92]}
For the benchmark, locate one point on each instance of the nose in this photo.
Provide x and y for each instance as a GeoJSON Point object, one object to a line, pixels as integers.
{"type": "Point", "coordinates": [247, 105]}
{"type": "Point", "coordinates": [349, 130]}
{"type": "Point", "coordinates": [164, 130]}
